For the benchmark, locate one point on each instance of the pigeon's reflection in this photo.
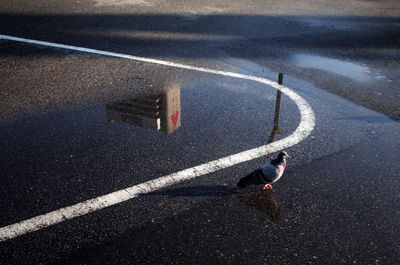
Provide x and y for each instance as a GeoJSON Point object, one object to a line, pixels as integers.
{"type": "Point", "coordinates": [265, 202]}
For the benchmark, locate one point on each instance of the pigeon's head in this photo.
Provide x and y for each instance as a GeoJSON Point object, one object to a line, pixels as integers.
{"type": "Point", "coordinates": [282, 155]}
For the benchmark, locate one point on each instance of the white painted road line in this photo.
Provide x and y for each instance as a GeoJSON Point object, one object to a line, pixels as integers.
{"type": "Point", "coordinates": [303, 130]}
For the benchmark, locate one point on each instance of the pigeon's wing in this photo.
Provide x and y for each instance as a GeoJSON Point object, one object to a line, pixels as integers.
{"type": "Point", "coordinates": [270, 173]}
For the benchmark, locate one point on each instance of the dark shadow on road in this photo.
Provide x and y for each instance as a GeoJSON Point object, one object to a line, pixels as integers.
{"type": "Point", "coordinates": [254, 197]}
{"type": "Point", "coordinates": [158, 35]}
{"type": "Point", "coordinates": [196, 191]}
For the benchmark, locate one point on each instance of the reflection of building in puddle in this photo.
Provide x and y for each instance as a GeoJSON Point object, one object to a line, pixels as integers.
{"type": "Point", "coordinates": [158, 111]}
{"type": "Point", "coordinates": [264, 202]}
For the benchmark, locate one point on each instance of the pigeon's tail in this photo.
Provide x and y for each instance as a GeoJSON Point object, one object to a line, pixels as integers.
{"type": "Point", "coordinates": [250, 179]}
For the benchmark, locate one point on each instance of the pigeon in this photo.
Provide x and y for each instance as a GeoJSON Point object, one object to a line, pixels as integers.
{"type": "Point", "coordinates": [267, 174]}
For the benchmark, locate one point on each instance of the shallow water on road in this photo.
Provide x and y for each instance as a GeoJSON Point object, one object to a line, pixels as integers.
{"type": "Point", "coordinates": [348, 69]}
{"type": "Point", "coordinates": [70, 154]}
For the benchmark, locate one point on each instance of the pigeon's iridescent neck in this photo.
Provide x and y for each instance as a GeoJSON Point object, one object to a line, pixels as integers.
{"type": "Point", "coordinates": [281, 167]}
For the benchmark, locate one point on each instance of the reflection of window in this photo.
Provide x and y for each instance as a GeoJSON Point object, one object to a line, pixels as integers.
{"type": "Point", "coordinates": [160, 111]}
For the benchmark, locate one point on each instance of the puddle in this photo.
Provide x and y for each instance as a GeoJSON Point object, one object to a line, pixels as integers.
{"type": "Point", "coordinates": [128, 140]}
{"type": "Point", "coordinates": [263, 201]}
{"type": "Point", "coordinates": [328, 23]}
{"type": "Point", "coordinates": [190, 16]}
{"type": "Point", "coordinates": [368, 119]}
{"type": "Point", "coordinates": [351, 70]}
{"type": "Point", "coordinates": [122, 2]}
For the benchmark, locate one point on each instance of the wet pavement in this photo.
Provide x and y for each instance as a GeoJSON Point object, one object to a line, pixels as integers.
{"type": "Point", "coordinates": [156, 130]}
{"type": "Point", "coordinates": [74, 126]}
{"type": "Point", "coordinates": [341, 207]}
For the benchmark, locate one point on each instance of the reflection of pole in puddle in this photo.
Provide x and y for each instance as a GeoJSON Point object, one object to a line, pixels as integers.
{"type": "Point", "coordinates": [264, 202]}
{"type": "Point", "coordinates": [159, 111]}
{"type": "Point", "coordinates": [276, 128]}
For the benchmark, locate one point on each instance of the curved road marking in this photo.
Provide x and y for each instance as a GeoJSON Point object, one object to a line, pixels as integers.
{"type": "Point", "coordinates": [304, 129]}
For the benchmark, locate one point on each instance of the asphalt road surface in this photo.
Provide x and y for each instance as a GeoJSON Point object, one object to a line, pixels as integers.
{"type": "Point", "coordinates": [112, 159]}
